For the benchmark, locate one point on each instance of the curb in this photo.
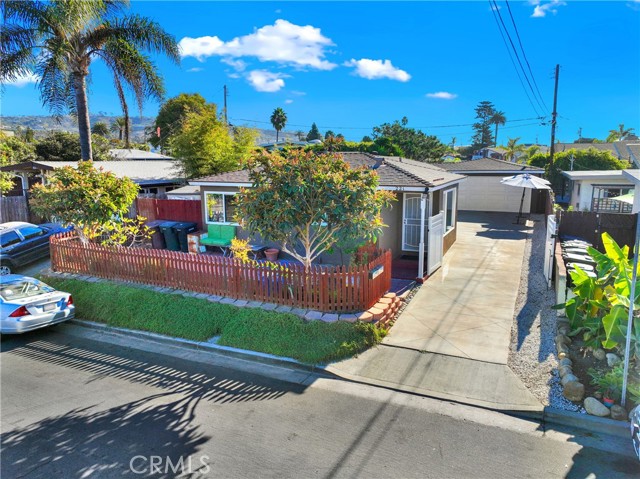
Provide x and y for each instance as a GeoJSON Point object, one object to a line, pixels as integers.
{"type": "Point", "coordinates": [549, 415]}
{"type": "Point", "coordinates": [243, 354]}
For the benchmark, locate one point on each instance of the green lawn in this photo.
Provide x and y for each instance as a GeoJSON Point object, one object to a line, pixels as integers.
{"type": "Point", "coordinates": [281, 334]}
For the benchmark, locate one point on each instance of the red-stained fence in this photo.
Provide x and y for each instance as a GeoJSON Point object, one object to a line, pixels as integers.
{"type": "Point", "coordinates": [323, 288]}
{"type": "Point", "coordinates": [174, 210]}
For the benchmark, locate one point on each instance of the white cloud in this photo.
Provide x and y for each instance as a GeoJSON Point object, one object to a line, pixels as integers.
{"type": "Point", "coordinates": [283, 42]}
{"type": "Point", "coordinates": [376, 69]}
{"type": "Point", "coordinates": [195, 70]}
{"type": "Point", "coordinates": [263, 80]}
{"type": "Point", "coordinates": [442, 95]}
{"type": "Point", "coordinates": [634, 5]}
{"type": "Point", "coordinates": [541, 9]}
{"type": "Point", "coordinates": [23, 80]}
{"type": "Point", "coordinates": [288, 102]}
{"type": "Point", "coordinates": [301, 93]}
{"type": "Point", "coordinates": [238, 65]}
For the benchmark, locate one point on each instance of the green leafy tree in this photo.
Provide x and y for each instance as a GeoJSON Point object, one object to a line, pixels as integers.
{"type": "Point", "coordinates": [59, 39]}
{"type": "Point", "coordinates": [13, 149]}
{"type": "Point", "coordinates": [513, 148]}
{"type": "Point", "coordinates": [590, 159]}
{"type": "Point", "coordinates": [314, 133]}
{"type": "Point", "coordinates": [413, 143]}
{"type": "Point", "coordinates": [483, 137]}
{"type": "Point", "coordinates": [100, 128]}
{"type": "Point", "coordinates": [118, 125]}
{"type": "Point", "coordinates": [366, 139]}
{"type": "Point", "coordinates": [204, 146]}
{"type": "Point", "coordinates": [620, 134]}
{"type": "Point", "coordinates": [328, 134]}
{"type": "Point", "coordinates": [173, 113]}
{"type": "Point", "coordinates": [64, 146]}
{"type": "Point", "coordinates": [309, 203]}
{"type": "Point", "coordinates": [278, 120]}
{"type": "Point", "coordinates": [86, 197]}
{"type": "Point", "coordinates": [498, 119]}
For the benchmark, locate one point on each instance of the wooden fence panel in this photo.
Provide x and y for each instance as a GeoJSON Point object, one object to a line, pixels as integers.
{"type": "Point", "coordinates": [590, 226]}
{"type": "Point", "coordinates": [14, 208]}
{"type": "Point", "coordinates": [173, 210]}
{"type": "Point", "coordinates": [329, 289]}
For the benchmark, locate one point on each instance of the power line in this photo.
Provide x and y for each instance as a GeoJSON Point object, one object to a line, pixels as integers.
{"type": "Point", "coordinates": [494, 8]}
{"type": "Point", "coordinates": [525, 56]}
{"type": "Point", "coordinates": [539, 118]}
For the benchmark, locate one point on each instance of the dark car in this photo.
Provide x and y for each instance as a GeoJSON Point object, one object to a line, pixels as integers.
{"type": "Point", "coordinates": [22, 243]}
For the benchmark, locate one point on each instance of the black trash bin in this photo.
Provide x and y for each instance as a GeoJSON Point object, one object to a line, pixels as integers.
{"type": "Point", "coordinates": [157, 237]}
{"type": "Point", "coordinates": [182, 230]}
{"type": "Point", "coordinates": [170, 236]}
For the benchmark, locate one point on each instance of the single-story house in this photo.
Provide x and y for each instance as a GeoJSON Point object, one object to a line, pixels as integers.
{"type": "Point", "coordinates": [187, 192]}
{"type": "Point", "coordinates": [420, 225]}
{"type": "Point", "coordinates": [153, 177]}
{"type": "Point", "coordinates": [482, 191]}
{"type": "Point", "coordinates": [592, 190]}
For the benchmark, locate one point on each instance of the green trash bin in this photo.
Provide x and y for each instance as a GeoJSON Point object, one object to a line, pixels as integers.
{"type": "Point", "coordinates": [170, 236]}
{"type": "Point", "coordinates": [182, 230]}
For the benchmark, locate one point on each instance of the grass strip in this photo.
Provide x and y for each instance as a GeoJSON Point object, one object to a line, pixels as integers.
{"type": "Point", "coordinates": [281, 334]}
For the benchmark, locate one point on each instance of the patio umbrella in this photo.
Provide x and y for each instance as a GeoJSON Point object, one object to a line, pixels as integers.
{"type": "Point", "coordinates": [524, 181]}
{"type": "Point", "coordinates": [628, 198]}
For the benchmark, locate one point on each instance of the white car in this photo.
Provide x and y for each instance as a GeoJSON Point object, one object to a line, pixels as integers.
{"type": "Point", "coordinates": [634, 419]}
{"type": "Point", "coordinates": [27, 304]}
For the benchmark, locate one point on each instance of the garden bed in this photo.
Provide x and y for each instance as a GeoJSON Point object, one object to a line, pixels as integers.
{"type": "Point", "coordinates": [281, 334]}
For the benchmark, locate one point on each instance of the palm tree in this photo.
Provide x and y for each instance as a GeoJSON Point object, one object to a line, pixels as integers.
{"type": "Point", "coordinates": [496, 119]}
{"type": "Point", "coordinates": [620, 134]}
{"type": "Point", "coordinates": [59, 39]}
{"type": "Point", "coordinates": [278, 120]}
{"type": "Point", "coordinates": [121, 126]}
{"type": "Point", "coordinates": [513, 148]}
{"type": "Point", "coordinates": [100, 128]}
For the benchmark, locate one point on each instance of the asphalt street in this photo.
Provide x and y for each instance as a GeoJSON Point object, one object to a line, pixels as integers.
{"type": "Point", "coordinates": [72, 407]}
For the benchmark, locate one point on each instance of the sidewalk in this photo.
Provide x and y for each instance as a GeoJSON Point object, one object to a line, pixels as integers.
{"type": "Point", "coordinates": [452, 340]}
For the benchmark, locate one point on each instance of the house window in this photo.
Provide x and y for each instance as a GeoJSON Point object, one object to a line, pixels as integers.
{"type": "Point", "coordinates": [449, 206]}
{"type": "Point", "coordinates": [603, 202]}
{"type": "Point", "coordinates": [219, 207]}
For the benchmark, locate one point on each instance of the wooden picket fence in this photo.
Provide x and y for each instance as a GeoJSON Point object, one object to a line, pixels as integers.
{"type": "Point", "coordinates": [331, 289]}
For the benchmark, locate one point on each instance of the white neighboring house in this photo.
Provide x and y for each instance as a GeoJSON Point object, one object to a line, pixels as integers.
{"type": "Point", "coordinates": [592, 190]}
{"type": "Point", "coordinates": [490, 152]}
{"type": "Point", "coordinates": [482, 191]}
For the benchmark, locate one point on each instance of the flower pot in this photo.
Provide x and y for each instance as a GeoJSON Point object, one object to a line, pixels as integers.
{"type": "Point", "coordinates": [272, 254]}
{"type": "Point", "coordinates": [608, 402]}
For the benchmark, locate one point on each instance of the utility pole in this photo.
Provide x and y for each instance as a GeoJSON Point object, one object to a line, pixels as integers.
{"type": "Point", "coordinates": [554, 117]}
{"type": "Point", "coordinates": [226, 120]}
{"type": "Point", "coordinates": [580, 133]}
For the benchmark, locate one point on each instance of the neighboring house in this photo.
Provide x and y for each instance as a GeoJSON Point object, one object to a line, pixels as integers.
{"type": "Point", "coordinates": [153, 177]}
{"type": "Point", "coordinates": [188, 192]}
{"type": "Point", "coordinates": [628, 150]}
{"type": "Point", "coordinates": [634, 176]}
{"type": "Point", "coordinates": [592, 190]}
{"type": "Point", "coordinates": [423, 192]}
{"type": "Point", "coordinates": [450, 157]}
{"type": "Point", "coordinates": [482, 191]}
{"type": "Point", "coordinates": [489, 152]}
{"type": "Point", "coordinates": [136, 155]}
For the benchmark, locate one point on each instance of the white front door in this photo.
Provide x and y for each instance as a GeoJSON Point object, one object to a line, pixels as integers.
{"type": "Point", "coordinates": [411, 222]}
{"type": "Point", "coordinates": [436, 242]}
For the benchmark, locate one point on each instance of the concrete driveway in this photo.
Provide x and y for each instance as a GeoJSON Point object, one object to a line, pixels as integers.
{"type": "Point", "coordinates": [466, 308]}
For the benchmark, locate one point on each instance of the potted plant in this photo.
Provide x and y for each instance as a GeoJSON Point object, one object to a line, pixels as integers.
{"type": "Point", "coordinates": [272, 254]}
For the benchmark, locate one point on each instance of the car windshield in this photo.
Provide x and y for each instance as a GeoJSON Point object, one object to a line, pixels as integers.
{"type": "Point", "coordinates": [23, 288]}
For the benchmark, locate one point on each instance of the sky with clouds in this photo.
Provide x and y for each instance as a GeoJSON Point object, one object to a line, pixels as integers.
{"type": "Point", "coordinates": [349, 66]}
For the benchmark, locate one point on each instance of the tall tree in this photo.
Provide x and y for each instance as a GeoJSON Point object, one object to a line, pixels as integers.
{"type": "Point", "coordinates": [172, 114]}
{"type": "Point", "coordinates": [59, 39]}
{"type": "Point", "coordinates": [314, 133]}
{"type": "Point", "coordinates": [415, 144]}
{"type": "Point", "coordinates": [512, 149]}
{"type": "Point", "coordinates": [620, 134]}
{"type": "Point", "coordinates": [483, 137]}
{"type": "Point", "coordinates": [118, 126]}
{"type": "Point", "coordinates": [278, 120]}
{"type": "Point", "coordinates": [498, 119]}
{"type": "Point", "coordinates": [204, 146]}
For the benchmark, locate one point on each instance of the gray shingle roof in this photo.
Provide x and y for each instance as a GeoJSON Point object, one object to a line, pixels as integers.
{"type": "Point", "coordinates": [488, 165]}
{"type": "Point", "coordinates": [393, 172]}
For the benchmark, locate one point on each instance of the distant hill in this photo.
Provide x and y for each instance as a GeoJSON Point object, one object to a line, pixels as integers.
{"type": "Point", "coordinates": [42, 125]}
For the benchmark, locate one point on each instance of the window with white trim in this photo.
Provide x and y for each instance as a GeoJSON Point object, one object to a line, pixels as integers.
{"type": "Point", "coordinates": [219, 207]}
{"type": "Point", "coordinates": [449, 206]}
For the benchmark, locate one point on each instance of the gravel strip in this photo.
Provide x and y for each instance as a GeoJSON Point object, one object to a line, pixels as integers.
{"type": "Point", "coordinates": [532, 353]}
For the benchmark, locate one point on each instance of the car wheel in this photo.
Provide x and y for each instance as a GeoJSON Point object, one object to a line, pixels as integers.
{"type": "Point", "coordinates": [5, 268]}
